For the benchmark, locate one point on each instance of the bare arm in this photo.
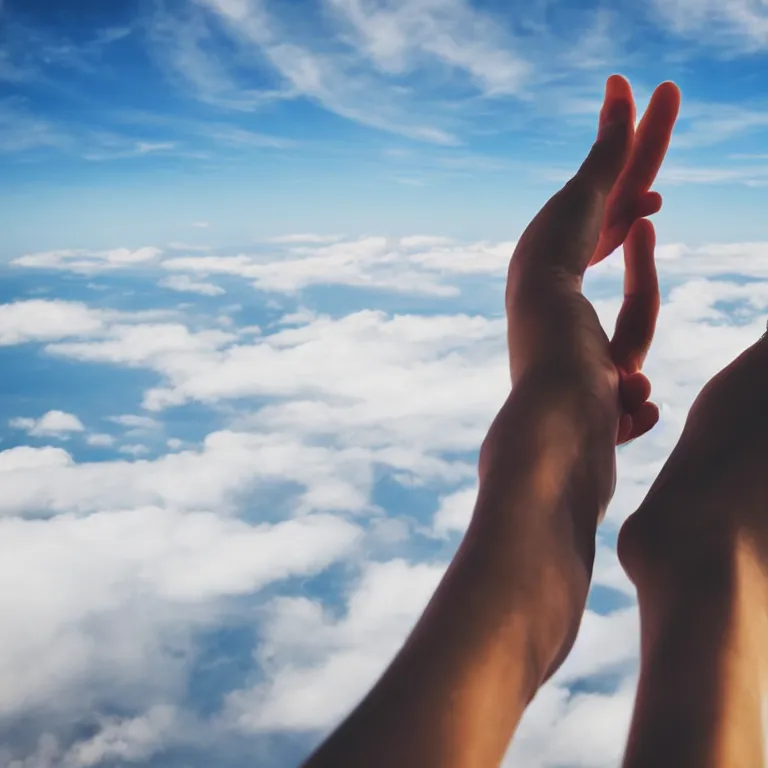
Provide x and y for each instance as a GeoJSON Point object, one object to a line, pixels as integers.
{"type": "Point", "coordinates": [703, 651]}
{"type": "Point", "coordinates": [506, 610]}
{"type": "Point", "coordinates": [697, 550]}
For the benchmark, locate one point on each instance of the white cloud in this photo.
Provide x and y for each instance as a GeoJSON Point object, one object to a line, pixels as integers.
{"type": "Point", "coordinates": [50, 424]}
{"type": "Point", "coordinates": [707, 123]}
{"type": "Point", "coordinates": [305, 238]}
{"type": "Point", "coordinates": [302, 316]}
{"type": "Point", "coordinates": [144, 343]}
{"type": "Point", "coordinates": [88, 262]}
{"type": "Point", "coordinates": [185, 284]}
{"type": "Point", "coordinates": [133, 449]}
{"type": "Point", "coordinates": [201, 224]}
{"type": "Point", "coordinates": [217, 475]}
{"type": "Point", "coordinates": [411, 383]}
{"type": "Point", "coordinates": [135, 421]}
{"type": "Point", "coordinates": [126, 739]}
{"type": "Point", "coordinates": [583, 730]}
{"type": "Point", "coordinates": [239, 137]}
{"type": "Point", "coordinates": [339, 82]}
{"type": "Point", "coordinates": [316, 666]}
{"type": "Point", "coordinates": [425, 241]}
{"type": "Point", "coordinates": [23, 458]}
{"type": "Point", "coordinates": [100, 440]}
{"type": "Point", "coordinates": [741, 26]}
{"type": "Point", "coordinates": [396, 36]}
{"type": "Point", "coordinates": [455, 511]}
{"type": "Point", "coordinates": [104, 605]}
{"type": "Point", "coordinates": [40, 320]}
{"type": "Point", "coordinates": [178, 246]}
{"type": "Point", "coordinates": [121, 149]}
{"type": "Point", "coordinates": [750, 176]}
{"type": "Point", "coordinates": [21, 131]}
{"type": "Point", "coordinates": [410, 265]}
{"type": "Point", "coordinates": [350, 399]}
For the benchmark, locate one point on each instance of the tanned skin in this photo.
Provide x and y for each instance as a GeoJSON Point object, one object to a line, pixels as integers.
{"type": "Point", "coordinates": [507, 611]}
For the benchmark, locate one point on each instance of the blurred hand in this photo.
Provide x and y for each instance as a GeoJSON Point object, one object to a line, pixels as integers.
{"type": "Point", "coordinates": [552, 328]}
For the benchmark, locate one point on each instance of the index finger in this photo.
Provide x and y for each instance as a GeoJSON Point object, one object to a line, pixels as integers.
{"type": "Point", "coordinates": [650, 146]}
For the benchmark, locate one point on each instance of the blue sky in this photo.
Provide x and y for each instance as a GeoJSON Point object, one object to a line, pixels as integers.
{"type": "Point", "coordinates": [252, 335]}
{"type": "Point", "coordinates": [126, 122]}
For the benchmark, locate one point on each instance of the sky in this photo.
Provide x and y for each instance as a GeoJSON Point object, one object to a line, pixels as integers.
{"type": "Point", "coordinates": [252, 335]}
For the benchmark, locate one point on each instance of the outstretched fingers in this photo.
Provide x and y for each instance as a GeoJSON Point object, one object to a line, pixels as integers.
{"type": "Point", "coordinates": [630, 198]}
{"type": "Point", "coordinates": [651, 142]}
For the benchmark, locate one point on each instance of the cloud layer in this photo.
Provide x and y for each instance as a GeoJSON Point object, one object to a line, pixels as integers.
{"type": "Point", "coordinates": [344, 443]}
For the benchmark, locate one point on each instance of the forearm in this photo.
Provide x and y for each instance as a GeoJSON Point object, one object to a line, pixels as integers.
{"type": "Point", "coordinates": [501, 620]}
{"type": "Point", "coordinates": [701, 688]}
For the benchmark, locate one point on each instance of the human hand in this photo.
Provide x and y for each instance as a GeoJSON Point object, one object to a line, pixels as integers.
{"type": "Point", "coordinates": [631, 198]}
{"type": "Point", "coordinates": [551, 325]}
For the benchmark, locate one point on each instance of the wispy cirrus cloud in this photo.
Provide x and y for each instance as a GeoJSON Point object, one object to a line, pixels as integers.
{"type": "Point", "coordinates": [705, 124]}
{"type": "Point", "coordinates": [737, 27]}
{"type": "Point", "coordinates": [21, 130]}
{"type": "Point", "coordinates": [131, 149]}
{"type": "Point", "coordinates": [397, 37]}
{"type": "Point", "coordinates": [353, 77]}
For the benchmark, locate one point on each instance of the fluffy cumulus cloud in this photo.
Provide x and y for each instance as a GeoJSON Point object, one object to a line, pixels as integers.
{"type": "Point", "coordinates": [315, 510]}
{"type": "Point", "coordinates": [41, 320]}
{"type": "Point", "coordinates": [50, 424]}
{"type": "Point", "coordinates": [417, 264]}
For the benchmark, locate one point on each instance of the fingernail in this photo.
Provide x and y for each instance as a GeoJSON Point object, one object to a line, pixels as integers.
{"type": "Point", "coordinates": [616, 115]}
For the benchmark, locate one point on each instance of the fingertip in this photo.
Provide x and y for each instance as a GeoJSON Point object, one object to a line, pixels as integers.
{"type": "Point", "coordinates": [634, 390]}
{"type": "Point", "coordinates": [647, 205]}
{"type": "Point", "coordinates": [645, 419]}
{"type": "Point", "coordinates": [667, 98]}
{"type": "Point", "coordinates": [672, 90]}
{"type": "Point", "coordinates": [640, 256]}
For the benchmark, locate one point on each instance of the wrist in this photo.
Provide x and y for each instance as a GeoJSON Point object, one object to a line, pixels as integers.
{"type": "Point", "coordinates": [554, 422]}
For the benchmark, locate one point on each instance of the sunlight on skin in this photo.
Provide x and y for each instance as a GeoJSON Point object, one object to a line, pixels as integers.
{"type": "Point", "coordinates": [611, 199]}
{"type": "Point", "coordinates": [508, 609]}
{"type": "Point", "coordinates": [696, 550]}
{"type": "Point", "coordinates": [629, 200]}
{"type": "Point", "coordinates": [745, 665]}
